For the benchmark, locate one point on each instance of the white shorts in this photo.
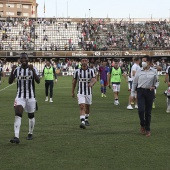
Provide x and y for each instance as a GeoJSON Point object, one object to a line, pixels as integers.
{"type": "Point", "coordinates": [29, 105]}
{"type": "Point", "coordinates": [116, 87]}
{"type": "Point", "coordinates": [84, 99]}
{"type": "Point", "coordinates": [130, 79]}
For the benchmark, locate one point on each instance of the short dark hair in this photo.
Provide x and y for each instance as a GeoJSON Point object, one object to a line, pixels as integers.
{"type": "Point", "coordinates": [148, 58]}
{"type": "Point", "coordinates": [23, 55]}
{"type": "Point", "coordinates": [84, 58]}
{"type": "Point", "coordinates": [136, 58]}
{"type": "Point", "coordinates": [116, 60]}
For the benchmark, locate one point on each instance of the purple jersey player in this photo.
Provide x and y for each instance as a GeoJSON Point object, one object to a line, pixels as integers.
{"type": "Point", "coordinates": [103, 71]}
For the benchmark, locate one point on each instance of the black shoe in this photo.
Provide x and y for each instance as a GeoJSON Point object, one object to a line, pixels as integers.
{"type": "Point", "coordinates": [87, 123]}
{"type": "Point", "coordinates": [15, 140]}
{"type": "Point", "coordinates": [82, 125]}
{"type": "Point", "coordinates": [29, 137]}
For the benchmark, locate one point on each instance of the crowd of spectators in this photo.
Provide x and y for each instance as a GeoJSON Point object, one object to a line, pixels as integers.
{"type": "Point", "coordinates": [94, 35]}
{"type": "Point", "coordinates": [66, 65]}
{"type": "Point", "coordinates": [18, 32]}
{"type": "Point", "coordinates": [125, 35]}
{"type": "Point", "coordinates": [22, 34]}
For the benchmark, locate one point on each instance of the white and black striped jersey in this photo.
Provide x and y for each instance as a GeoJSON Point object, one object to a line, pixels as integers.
{"type": "Point", "coordinates": [84, 77]}
{"type": "Point", "coordinates": [95, 69]}
{"type": "Point", "coordinates": [25, 82]}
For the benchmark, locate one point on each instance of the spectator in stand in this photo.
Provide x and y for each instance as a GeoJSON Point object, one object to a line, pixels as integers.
{"type": "Point", "coordinates": [65, 47]}
{"type": "Point", "coordinates": [65, 25]}
{"type": "Point", "coordinates": [72, 47]}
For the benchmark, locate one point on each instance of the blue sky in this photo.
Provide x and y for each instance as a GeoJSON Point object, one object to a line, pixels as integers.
{"type": "Point", "coordinates": [104, 8]}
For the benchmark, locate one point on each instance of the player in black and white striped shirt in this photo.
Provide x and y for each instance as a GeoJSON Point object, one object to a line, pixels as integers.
{"type": "Point", "coordinates": [85, 77]}
{"type": "Point", "coordinates": [25, 98]}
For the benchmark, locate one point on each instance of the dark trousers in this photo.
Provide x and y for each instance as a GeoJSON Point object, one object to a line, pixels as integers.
{"type": "Point", "coordinates": [49, 83]}
{"type": "Point", "coordinates": [145, 100]}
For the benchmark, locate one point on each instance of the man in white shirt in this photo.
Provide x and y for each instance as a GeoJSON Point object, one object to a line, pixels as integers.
{"type": "Point", "coordinates": [157, 68]}
{"type": "Point", "coordinates": [134, 69]}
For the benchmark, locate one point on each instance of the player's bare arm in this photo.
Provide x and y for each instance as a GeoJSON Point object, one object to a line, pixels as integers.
{"type": "Point", "coordinates": [166, 78]}
{"type": "Point", "coordinates": [74, 82]}
{"type": "Point", "coordinates": [108, 77]}
{"type": "Point", "coordinates": [159, 68]}
{"type": "Point", "coordinates": [133, 73]}
{"type": "Point", "coordinates": [37, 79]}
{"type": "Point", "coordinates": [92, 82]}
{"type": "Point", "coordinates": [55, 76]}
{"type": "Point", "coordinates": [125, 76]}
{"type": "Point", "coordinates": [98, 75]}
{"type": "Point", "coordinates": [12, 75]}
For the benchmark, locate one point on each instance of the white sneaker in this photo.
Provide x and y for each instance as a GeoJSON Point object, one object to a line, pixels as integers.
{"type": "Point", "coordinates": [46, 99]}
{"type": "Point", "coordinates": [51, 100]}
{"type": "Point", "coordinates": [136, 106]}
{"type": "Point", "coordinates": [116, 102]}
{"type": "Point", "coordinates": [129, 107]}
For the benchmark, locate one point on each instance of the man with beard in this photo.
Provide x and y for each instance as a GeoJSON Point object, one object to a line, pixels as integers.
{"type": "Point", "coordinates": [25, 98]}
{"type": "Point", "coordinates": [86, 79]}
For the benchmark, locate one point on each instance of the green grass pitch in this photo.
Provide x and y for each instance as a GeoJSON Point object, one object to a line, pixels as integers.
{"type": "Point", "coordinates": [112, 141]}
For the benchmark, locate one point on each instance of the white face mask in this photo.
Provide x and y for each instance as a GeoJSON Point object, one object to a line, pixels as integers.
{"type": "Point", "coordinates": [144, 64]}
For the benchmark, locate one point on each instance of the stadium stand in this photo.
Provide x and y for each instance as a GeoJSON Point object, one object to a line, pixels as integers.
{"type": "Point", "coordinates": [38, 36]}
{"type": "Point", "coordinates": [90, 35]}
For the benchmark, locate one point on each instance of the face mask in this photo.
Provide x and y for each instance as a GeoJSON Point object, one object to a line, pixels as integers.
{"type": "Point", "coordinates": [144, 64]}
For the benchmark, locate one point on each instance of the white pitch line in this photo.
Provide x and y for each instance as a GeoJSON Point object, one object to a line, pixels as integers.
{"type": "Point", "coordinates": [7, 87]}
